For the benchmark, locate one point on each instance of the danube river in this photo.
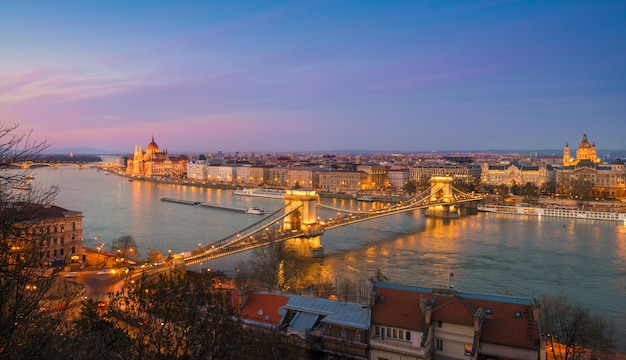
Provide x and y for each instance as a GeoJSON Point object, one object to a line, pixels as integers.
{"type": "Point", "coordinates": [491, 253]}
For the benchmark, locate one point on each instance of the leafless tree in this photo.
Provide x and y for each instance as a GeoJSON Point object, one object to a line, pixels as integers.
{"type": "Point", "coordinates": [125, 247]}
{"type": "Point", "coordinates": [31, 309]}
{"type": "Point", "coordinates": [572, 331]}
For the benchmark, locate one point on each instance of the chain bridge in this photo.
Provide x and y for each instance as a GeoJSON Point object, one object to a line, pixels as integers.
{"type": "Point", "coordinates": [297, 221]}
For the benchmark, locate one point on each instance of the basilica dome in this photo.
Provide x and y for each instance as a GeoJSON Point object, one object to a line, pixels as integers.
{"type": "Point", "coordinates": [584, 144]}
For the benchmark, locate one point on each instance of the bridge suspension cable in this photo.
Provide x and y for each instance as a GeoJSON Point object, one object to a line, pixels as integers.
{"type": "Point", "coordinates": [237, 236]}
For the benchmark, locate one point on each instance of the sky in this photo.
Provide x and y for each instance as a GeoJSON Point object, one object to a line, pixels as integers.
{"type": "Point", "coordinates": [304, 76]}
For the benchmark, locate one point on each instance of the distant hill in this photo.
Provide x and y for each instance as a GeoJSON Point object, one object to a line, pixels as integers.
{"type": "Point", "coordinates": [80, 150]}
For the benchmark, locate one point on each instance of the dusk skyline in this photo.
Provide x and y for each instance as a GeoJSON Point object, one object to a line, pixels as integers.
{"type": "Point", "coordinates": [315, 75]}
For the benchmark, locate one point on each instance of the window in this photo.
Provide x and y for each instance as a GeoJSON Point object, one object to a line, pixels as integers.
{"type": "Point", "coordinates": [395, 333]}
{"type": "Point", "coordinates": [518, 314]}
{"type": "Point", "coordinates": [61, 251]}
{"type": "Point", "coordinates": [343, 334]}
{"type": "Point", "coordinates": [439, 324]}
{"type": "Point", "coordinates": [408, 335]}
{"type": "Point", "coordinates": [377, 330]}
{"type": "Point", "coordinates": [357, 336]}
{"type": "Point", "coordinates": [401, 334]}
{"type": "Point", "coordinates": [388, 332]}
{"type": "Point", "coordinates": [439, 344]}
{"type": "Point", "coordinates": [330, 330]}
{"type": "Point", "coordinates": [488, 311]}
{"type": "Point", "coordinates": [468, 349]}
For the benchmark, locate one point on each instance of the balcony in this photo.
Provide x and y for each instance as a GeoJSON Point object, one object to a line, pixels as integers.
{"type": "Point", "coordinates": [400, 346]}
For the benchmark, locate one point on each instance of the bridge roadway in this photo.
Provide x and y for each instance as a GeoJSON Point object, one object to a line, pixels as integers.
{"type": "Point", "coordinates": [54, 165]}
{"type": "Point", "coordinates": [268, 230]}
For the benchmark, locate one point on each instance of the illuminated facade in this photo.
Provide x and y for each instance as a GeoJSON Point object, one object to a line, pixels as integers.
{"type": "Point", "coordinates": [586, 176]}
{"type": "Point", "coordinates": [513, 173]}
{"type": "Point", "coordinates": [585, 151]}
{"type": "Point", "coordinates": [342, 181]}
{"type": "Point", "coordinates": [151, 163]}
{"type": "Point", "coordinates": [588, 179]}
{"type": "Point", "coordinates": [58, 231]}
{"type": "Point", "coordinates": [377, 176]}
{"type": "Point", "coordinates": [464, 174]}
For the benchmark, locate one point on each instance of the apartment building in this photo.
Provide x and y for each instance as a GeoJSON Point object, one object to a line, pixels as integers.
{"type": "Point", "coordinates": [342, 181]}
{"type": "Point", "coordinates": [410, 322]}
{"type": "Point", "coordinates": [58, 231]}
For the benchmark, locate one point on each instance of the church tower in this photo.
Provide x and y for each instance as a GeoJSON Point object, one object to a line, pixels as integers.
{"type": "Point", "coordinates": [566, 155]}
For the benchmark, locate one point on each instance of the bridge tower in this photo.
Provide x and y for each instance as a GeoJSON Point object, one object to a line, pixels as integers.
{"type": "Point", "coordinates": [441, 191]}
{"type": "Point", "coordinates": [301, 216]}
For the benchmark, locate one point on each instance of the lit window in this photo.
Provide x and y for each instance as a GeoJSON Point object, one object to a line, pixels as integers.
{"type": "Point", "coordinates": [468, 349]}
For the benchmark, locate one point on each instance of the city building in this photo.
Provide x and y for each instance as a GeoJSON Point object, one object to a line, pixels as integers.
{"type": "Point", "coordinates": [587, 176]}
{"type": "Point", "coordinates": [410, 322]}
{"type": "Point", "coordinates": [398, 178]}
{"type": "Point", "coordinates": [585, 152]}
{"type": "Point", "coordinates": [304, 177]}
{"type": "Point", "coordinates": [58, 231]}
{"type": "Point", "coordinates": [466, 174]}
{"type": "Point", "coordinates": [342, 181]}
{"type": "Point", "coordinates": [514, 173]}
{"type": "Point", "coordinates": [376, 176]}
{"type": "Point", "coordinates": [589, 179]}
{"type": "Point", "coordinates": [153, 162]}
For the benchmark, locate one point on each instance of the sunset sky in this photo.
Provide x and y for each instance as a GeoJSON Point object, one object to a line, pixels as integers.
{"type": "Point", "coordinates": [294, 76]}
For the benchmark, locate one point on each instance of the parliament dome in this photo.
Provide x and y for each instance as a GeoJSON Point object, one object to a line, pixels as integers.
{"type": "Point", "coordinates": [152, 147]}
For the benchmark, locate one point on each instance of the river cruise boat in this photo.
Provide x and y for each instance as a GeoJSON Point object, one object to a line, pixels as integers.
{"type": "Point", "coordinates": [555, 212]}
{"type": "Point", "coordinates": [259, 192]}
{"type": "Point", "coordinates": [255, 211]}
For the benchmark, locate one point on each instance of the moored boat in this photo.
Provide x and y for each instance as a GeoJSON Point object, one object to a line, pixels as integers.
{"type": "Point", "coordinates": [255, 211]}
{"type": "Point", "coordinates": [562, 212]}
{"type": "Point", "coordinates": [259, 192]}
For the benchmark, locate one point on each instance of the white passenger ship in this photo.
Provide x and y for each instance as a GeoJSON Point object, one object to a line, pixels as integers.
{"type": "Point", "coordinates": [556, 212]}
{"type": "Point", "coordinates": [259, 192]}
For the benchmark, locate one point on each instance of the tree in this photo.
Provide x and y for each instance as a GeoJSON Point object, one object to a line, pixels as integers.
{"type": "Point", "coordinates": [34, 300]}
{"type": "Point", "coordinates": [410, 187]}
{"type": "Point", "coordinates": [274, 266]}
{"type": "Point", "coordinates": [572, 330]}
{"type": "Point", "coordinates": [515, 189]}
{"type": "Point", "coordinates": [125, 247]}
{"type": "Point", "coordinates": [183, 316]}
{"type": "Point", "coordinates": [530, 192]}
{"type": "Point", "coordinates": [502, 191]}
{"type": "Point", "coordinates": [379, 276]}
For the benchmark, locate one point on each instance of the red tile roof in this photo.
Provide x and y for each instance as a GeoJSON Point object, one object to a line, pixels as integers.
{"type": "Point", "coordinates": [264, 308]}
{"type": "Point", "coordinates": [399, 306]}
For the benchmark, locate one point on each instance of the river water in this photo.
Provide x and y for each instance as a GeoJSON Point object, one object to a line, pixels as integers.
{"type": "Point", "coordinates": [489, 253]}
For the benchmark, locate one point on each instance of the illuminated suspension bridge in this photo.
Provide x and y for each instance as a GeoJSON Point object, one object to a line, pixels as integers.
{"type": "Point", "coordinates": [298, 220]}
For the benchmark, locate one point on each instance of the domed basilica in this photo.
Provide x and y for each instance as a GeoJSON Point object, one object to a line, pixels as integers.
{"type": "Point", "coordinates": [585, 151]}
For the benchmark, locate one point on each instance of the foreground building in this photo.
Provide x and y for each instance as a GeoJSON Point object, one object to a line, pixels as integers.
{"type": "Point", "coordinates": [411, 322]}
{"type": "Point", "coordinates": [58, 231]}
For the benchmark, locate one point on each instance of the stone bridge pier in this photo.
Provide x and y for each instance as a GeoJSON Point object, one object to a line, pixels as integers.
{"type": "Point", "coordinates": [301, 216]}
{"type": "Point", "coordinates": [441, 191]}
